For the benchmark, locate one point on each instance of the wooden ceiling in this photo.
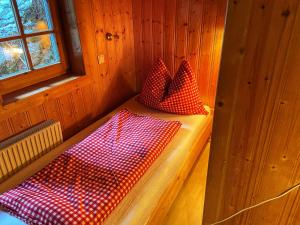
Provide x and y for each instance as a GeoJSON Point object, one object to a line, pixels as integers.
{"type": "Point", "coordinates": [255, 150]}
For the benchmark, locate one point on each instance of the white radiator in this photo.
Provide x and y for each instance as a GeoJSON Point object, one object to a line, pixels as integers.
{"type": "Point", "coordinates": [22, 149]}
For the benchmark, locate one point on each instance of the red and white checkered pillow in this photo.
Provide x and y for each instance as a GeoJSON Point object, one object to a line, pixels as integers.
{"type": "Point", "coordinates": [155, 85]}
{"type": "Point", "coordinates": [179, 95]}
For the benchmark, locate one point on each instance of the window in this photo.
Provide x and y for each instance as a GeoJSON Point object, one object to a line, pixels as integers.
{"type": "Point", "coordinates": [30, 43]}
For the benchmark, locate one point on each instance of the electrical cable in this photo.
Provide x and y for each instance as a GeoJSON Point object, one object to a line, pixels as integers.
{"type": "Point", "coordinates": [259, 204]}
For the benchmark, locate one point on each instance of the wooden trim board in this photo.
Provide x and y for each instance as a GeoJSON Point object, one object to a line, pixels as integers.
{"type": "Point", "coordinates": [188, 206]}
{"type": "Point", "coordinates": [171, 193]}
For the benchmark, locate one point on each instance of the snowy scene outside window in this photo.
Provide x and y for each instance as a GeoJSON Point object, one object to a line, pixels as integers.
{"type": "Point", "coordinates": [27, 39]}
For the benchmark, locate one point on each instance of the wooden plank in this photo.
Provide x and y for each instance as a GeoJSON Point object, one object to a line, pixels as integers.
{"type": "Point", "coordinates": [68, 114]}
{"type": "Point", "coordinates": [126, 74]}
{"type": "Point", "coordinates": [5, 130]}
{"type": "Point", "coordinates": [87, 99]}
{"type": "Point", "coordinates": [52, 110]}
{"type": "Point", "coordinates": [194, 32]}
{"type": "Point", "coordinates": [19, 122]}
{"type": "Point", "coordinates": [188, 207]}
{"type": "Point", "coordinates": [118, 40]}
{"type": "Point", "coordinates": [169, 195]}
{"type": "Point", "coordinates": [100, 87]}
{"type": "Point", "coordinates": [182, 24]}
{"type": "Point", "coordinates": [157, 28]}
{"type": "Point", "coordinates": [254, 153]}
{"type": "Point", "coordinates": [275, 44]}
{"type": "Point", "coordinates": [138, 49]}
{"type": "Point", "coordinates": [87, 36]}
{"type": "Point", "coordinates": [169, 34]}
{"type": "Point", "coordinates": [207, 48]}
{"type": "Point", "coordinates": [42, 96]}
{"type": "Point", "coordinates": [237, 27]}
{"type": "Point", "coordinates": [147, 41]}
{"type": "Point", "coordinates": [129, 51]}
{"type": "Point", "coordinates": [285, 96]}
{"type": "Point", "coordinates": [109, 28]}
{"type": "Point", "coordinates": [100, 35]}
{"type": "Point", "coordinates": [36, 115]}
{"type": "Point", "coordinates": [219, 32]}
{"type": "Point", "coordinates": [80, 111]}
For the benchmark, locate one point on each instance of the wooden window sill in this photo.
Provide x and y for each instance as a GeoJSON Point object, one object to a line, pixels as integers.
{"type": "Point", "coordinates": [39, 88]}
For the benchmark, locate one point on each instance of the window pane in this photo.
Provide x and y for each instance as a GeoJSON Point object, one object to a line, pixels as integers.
{"type": "Point", "coordinates": [8, 25]}
{"type": "Point", "coordinates": [12, 59]}
{"type": "Point", "coordinates": [35, 15]}
{"type": "Point", "coordinates": [43, 50]}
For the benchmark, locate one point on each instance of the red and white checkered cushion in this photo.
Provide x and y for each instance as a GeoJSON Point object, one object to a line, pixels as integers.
{"type": "Point", "coordinates": [155, 85]}
{"type": "Point", "coordinates": [86, 183]}
{"type": "Point", "coordinates": [179, 95]}
{"type": "Point", "coordinates": [183, 94]}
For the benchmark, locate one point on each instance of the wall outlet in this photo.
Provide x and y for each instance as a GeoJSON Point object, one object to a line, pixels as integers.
{"type": "Point", "coordinates": [101, 59]}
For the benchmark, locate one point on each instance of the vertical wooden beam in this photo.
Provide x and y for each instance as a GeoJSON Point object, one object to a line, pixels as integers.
{"type": "Point", "coordinates": [170, 34]}
{"type": "Point", "coordinates": [254, 154]}
{"type": "Point", "coordinates": [147, 37]}
{"type": "Point", "coordinates": [182, 24]}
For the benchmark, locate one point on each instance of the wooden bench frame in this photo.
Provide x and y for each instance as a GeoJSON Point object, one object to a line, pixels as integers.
{"type": "Point", "coordinates": [170, 194]}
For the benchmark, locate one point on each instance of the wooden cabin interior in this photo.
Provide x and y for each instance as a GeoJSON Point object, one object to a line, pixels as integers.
{"type": "Point", "coordinates": [157, 112]}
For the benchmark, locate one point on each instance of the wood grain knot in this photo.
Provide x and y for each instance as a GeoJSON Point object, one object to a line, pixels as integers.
{"type": "Point", "coordinates": [286, 13]}
{"type": "Point", "coordinates": [220, 104]}
{"type": "Point", "coordinates": [242, 51]}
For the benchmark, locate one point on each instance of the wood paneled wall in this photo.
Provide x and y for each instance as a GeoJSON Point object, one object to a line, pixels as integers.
{"type": "Point", "coordinates": [180, 29]}
{"type": "Point", "coordinates": [255, 151]}
{"type": "Point", "coordinates": [104, 86]}
{"type": "Point", "coordinates": [172, 29]}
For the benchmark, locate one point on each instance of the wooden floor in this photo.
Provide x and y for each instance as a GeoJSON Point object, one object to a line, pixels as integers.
{"type": "Point", "coordinates": [188, 206]}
